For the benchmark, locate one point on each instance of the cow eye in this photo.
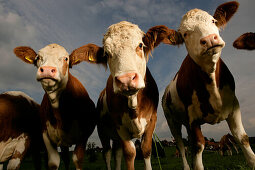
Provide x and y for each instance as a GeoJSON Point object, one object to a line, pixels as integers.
{"type": "Point", "coordinates": [213, 21]}
{"type": "Point", "coordinates": [140, 45]}
{"type": "Point", "coordinates": [185, 34]}
{"type": "Point", "coordinates": [66, 59]}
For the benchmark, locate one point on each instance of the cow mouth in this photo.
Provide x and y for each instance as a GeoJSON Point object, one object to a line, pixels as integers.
{"type": "Point", "coordinates": [215, 47]}
{"type": "Point", "coordinates": [47, 79]}
{"type": "Point", "coordinates": [128, 91]}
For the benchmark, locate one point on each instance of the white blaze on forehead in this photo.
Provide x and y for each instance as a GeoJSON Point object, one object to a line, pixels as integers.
{"type": "Point", "coordinates": [52, 52]}
{"type": "Point", "coordinates": [193, 18]}
{"type": "Point", "coordinates": [121, 35]}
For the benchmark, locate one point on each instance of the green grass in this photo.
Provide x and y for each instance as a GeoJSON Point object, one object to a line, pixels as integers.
{"type": "Point", "coordinates": [211, 160]}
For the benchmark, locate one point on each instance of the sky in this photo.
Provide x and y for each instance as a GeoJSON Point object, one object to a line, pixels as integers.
{"type": "Point", "coordinates": [72, 24]}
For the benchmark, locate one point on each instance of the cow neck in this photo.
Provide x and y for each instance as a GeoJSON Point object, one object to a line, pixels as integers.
{"type": "Point", "coordinates": [119, 104]}
{"type": "Point", "coordinates": [55, 95]}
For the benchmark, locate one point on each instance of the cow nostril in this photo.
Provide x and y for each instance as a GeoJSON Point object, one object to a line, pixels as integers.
{"type": "Point", "coordinates": [203, 42]}
{"type": "Point", "coordinates": [41, 69]}
{"type": "Point", "coordinates": [53, 70]}
{"type": "Point", "coordinates": [134, 77]}
{"type": "Point", "coordinates": [215, 37]}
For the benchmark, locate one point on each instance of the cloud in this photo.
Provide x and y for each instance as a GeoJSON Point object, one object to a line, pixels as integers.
{"type": "Point", "coordinates": [76, 23]}
{"type": "Point", "coordinates": [15, 31]}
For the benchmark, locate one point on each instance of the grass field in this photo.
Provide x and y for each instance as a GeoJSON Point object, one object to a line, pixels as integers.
{"type": "Point", "coordinates": [211, 160]}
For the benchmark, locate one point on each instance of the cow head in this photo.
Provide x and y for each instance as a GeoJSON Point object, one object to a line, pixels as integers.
{"type": "Point", "coordinates": [126, 48]}
{"type": "Point", "coordinates": [200, 33]}
{"type": "Point", "coordinates": [245, 41]}
{"type": "Point", "coordinates": [53, 65]}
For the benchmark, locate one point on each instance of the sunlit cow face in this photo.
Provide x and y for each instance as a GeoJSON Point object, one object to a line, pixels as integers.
{"type": "Point", "coordinates": [53, 63]}
{"type": "Point", "coordinates": [124, 45]}
{"type": "Point", "coordinates": [201, 37]}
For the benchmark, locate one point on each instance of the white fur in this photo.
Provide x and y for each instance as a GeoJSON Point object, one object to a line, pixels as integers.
{"type": "Point", "coordinates": [198, 163]}
{"type": "Point", "coordinates": [53, 156]}
{"type": "Point", "coordinates": [194, 110]}
{"type": "Point", "coordinates": [131, 128]}
{"type": "Point", "coordinates": [147, 163]}
{"type": "Point", "coordinates": [13, 164]}
{"type": "Point", "coordinates": [75, 160]}
{"type": "Point", "coordinates": [120, 43]}
{"type": "Point", "coordinates": [8, 147]}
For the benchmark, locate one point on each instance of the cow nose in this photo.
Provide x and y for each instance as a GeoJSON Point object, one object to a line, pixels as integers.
{"type": "Point", "coordinates": [47, 71]}
{"type": "Point", "coordinates": [128, 80]}
{"type": "Point", "coordinates": [210, 40]}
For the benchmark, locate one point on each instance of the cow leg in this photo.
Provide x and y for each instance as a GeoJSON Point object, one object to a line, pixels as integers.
{"type": "Point", "coordinates": [236, 127]}
{"type": "Point", "coordinates": [65, 156]}
{"type": "Point", "coordinates": [197, 145]}
{"type": "Point", "coordinates": [235, 147]}
{"type": "Point", "coordinates": [116, 147]}
{"type": "Point", "coordinates": [175, 129]}
{"type": "Point", "coordinates": [19, 153]}
{"type": "Point", "coordinates": [53, 155]}
{"type": "Point", "coordinates": [1, 166]}
{"type": "Point", "coordinates": [78, 155]}
{"type": "Point", "coordinates": [147, 142]}
{"type": "Point", "coordinates": [105, 141]}
{"type": "Point", "coordinates": [129, 153]}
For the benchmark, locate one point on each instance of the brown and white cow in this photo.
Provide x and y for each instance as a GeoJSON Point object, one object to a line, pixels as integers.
{"type": "Point", "coordinates": [67, 112]}
{"type": "Point", "coordinates": [245, 41]}
{"type": "Point", "coordinates": [226, 143]}
{"type": "Point", "coordinates": [20, 129]}
{"type": "Point", "coordinates": [203, 90]}
{"type": "Point", "coordinates": [128, 104]}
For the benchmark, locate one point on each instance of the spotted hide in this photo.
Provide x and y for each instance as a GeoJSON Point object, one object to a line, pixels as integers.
{"type": "Point", "coordinates": [20, 129]}
{"type": "Point", "coordinates": [203, 90]}
{"type": "Point", "coordinates": [67, 112]}
{"type": "Point", "coordinates": [128, 104]}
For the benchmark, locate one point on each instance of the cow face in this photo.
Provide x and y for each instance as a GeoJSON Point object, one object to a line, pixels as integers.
{"type": "Point", "coordinates": [123, 44]}
{"type": "Point", "coordinates": [200, 33]}
{"type": "Point", "coordinates": [201, 37]}
{"type": "Point", "coordinates": [125, 49]}
{"type": "Point", "coordinates": [52, 62]}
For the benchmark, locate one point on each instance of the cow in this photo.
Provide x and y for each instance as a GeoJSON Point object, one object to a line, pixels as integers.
{"type": "Point", "coordinates": [67, 112]}
{"type": "Point", "coordinates": [245, 41]}
{"type": "Point", "coordinates": [211, 145]}
{"type": "Point", "coordinates": [128, 104]}
{"type": "Point", "coordinates": [203, 90]}
{"type": "Point", "coordinates": [226, 143]}
{"type": "Point", "coordinates": [20, 129]}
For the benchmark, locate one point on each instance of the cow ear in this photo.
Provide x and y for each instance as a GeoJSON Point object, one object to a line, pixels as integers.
{"type": "Point", "coordinates": [245, 41]}
{"type": "Point", "coordinates": [158, 34]}
{"type": "Point", "coordinates": [224, 12]}
{"type": "Point", "coordinates": [26, 54]}
{"type": "Point", "coordinates": [90, 53]}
